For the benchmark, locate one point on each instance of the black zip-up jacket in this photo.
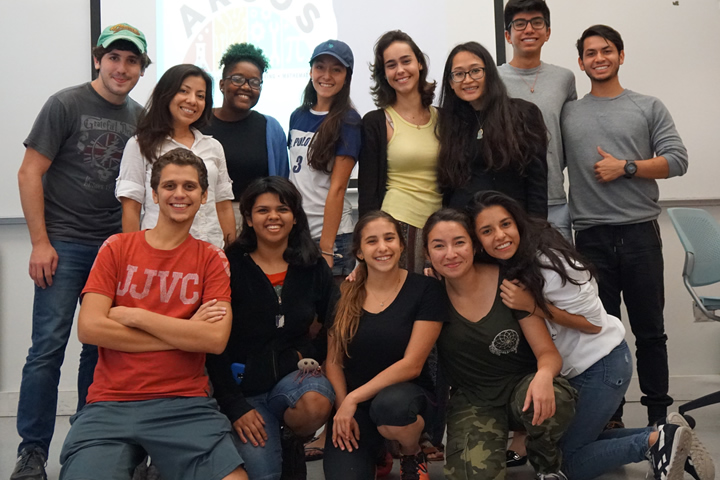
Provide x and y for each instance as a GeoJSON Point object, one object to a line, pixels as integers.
{"type": "Point", "coordinates": [269, 352]}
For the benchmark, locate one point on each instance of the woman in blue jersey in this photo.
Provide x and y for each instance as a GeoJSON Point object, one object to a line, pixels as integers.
{"type": "Point", "coordinates": [324, 143]}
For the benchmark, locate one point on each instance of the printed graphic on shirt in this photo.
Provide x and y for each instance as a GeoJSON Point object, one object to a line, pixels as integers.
{"type": "Point", "coordinates": [101, 144]}
{"type": "Point", "coordinates": [189, 285]}
{"type": "Point", "coordinates": [505, 342]}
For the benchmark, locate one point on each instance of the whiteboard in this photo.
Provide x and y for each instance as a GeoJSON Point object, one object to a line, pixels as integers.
{"type": "Point", "coordinates": [670, 53]}
{"type": "Point", "coordinates": [50, 50]}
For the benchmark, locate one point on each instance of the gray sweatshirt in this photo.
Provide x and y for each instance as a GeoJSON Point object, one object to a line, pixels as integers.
{"type": "Point", "coordinates": [553, 88]}
{"type": "Point", "coordinates": [630, 126]}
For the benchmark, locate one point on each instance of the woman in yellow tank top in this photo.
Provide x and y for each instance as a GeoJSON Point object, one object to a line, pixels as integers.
{"type": "Point", "coordinates": [398, 159]}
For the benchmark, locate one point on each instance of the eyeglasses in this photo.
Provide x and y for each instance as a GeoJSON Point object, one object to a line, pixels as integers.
{"type": "Point", "coordinates": [537, 23]}
{"type": "Point", "coordinates": [239, 80]}
{"type": "Point", "coordinates": [476, 74]}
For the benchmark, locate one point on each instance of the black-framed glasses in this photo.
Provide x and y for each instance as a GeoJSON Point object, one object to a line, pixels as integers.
{"type": "Point", "coordinates": [239, 80]}
{"type": "Point", "coordinates": [520, 24]}
{"type": "Point", "coordinates": [476, 73]}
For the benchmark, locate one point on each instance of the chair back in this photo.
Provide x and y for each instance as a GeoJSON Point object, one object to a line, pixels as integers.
{"type": "Point", "coordinates": [700, 236]}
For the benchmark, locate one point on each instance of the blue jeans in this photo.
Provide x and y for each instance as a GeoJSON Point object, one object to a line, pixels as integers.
{"type": "Point", "coordinates": [343, 246]}
{"type": "Point", "coordinates": [265, 463]}
{"type": "Point", "coordinates": [588, 452]}
{"type": "Point", "coordinates": [559, 218]}
{"type": "Point", "coordinates": [53, 312]}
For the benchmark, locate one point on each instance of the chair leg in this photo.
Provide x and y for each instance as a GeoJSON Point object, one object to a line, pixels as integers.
{"type": "Point", "coordinates": [710, 399]}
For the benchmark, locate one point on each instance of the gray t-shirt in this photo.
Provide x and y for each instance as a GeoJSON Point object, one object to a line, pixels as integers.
{"type": "Point", "coordinates": [630, 126]}
{"type": "Point", "coordinates": [84, 136]}
{"type": "Point", "coordinates": [553, 88]}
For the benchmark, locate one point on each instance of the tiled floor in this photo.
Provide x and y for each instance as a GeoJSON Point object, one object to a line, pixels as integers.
{"type": "Point", "coordinates": [708, 429]}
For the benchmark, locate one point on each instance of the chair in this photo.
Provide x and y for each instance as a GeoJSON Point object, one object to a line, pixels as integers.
{"type": "Point", "coordinates": [700, 237]}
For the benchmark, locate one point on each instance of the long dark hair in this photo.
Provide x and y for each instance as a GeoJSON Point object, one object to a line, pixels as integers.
{"type": "Point", "coordinates": [537, 237]}
{"type": "Point", "coordinates": [156, 123]}
{"type": "Point", "coordinates": [321, 151]}
{"type": "Point", "coordinates": [301, 250]}
{"type": "Point", "coordinates": [507, 140]}
{"type": "Point", "coordinates": [383, 94]}
{"type": "Point", "coordinates": [353, 294]}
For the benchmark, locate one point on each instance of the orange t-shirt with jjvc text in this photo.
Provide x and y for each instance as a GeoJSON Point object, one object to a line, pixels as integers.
{"type": "Point", "coordinates": [169, 282]}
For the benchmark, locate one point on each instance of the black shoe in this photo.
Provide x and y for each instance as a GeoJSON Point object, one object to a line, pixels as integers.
{"type": "Point", "coordinates": [514, 459]}
{"type": "Point", "coordinates": [414, 467]}
{"type": "Point", "coordinates": [30, 465]}
{"type": "Point", "coordinates": [668, 455]}
{"type": "Point", "coordinates": [699, 463]}
{"type": "Point", "coordinates": [293, 455]}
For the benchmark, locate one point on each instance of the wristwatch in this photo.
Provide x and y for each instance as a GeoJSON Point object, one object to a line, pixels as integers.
{"type": "Point", "coordinates": [630, 168]}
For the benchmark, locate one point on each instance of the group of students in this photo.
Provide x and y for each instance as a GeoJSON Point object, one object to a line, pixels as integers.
{"type": "Point", "coordinates": [513, 313]}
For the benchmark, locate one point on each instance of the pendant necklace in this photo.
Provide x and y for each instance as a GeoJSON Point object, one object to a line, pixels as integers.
{"type": "Point", "coordinates": [480, 132]}
{"type": "Point", "coordinates": [382, 302]}
{"type": "Point", "coordinates": [532, 87]}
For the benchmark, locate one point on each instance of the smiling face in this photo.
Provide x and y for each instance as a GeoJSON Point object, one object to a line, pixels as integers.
{"type": "Point", "coordinates": [118, 73]}
{"type": "Point", "coordinates": [527, 42]}
{"type": "Point", "coordinates": [380, 245]}
{"type": "Point", "coordinates": [601, 60]}
{"type": "Point", "coordinates": [469, 90]}
{"type": "Point", "coordinates": [179, 194]}
{"type": "Point", "coordinates": [188, 104]}
{"type": "Point", "coordinates": [240, 99]}
{"type": "Point", "coordinates": [328, 77]}
{"type": "Point", "coordinates": [498, 233]}
{"type": "Point", "coordinates": [450, 249]}
{"type": "Point", "coordinates": [402, 69]}
{"type": "Point", "coordinates": [271, 219]}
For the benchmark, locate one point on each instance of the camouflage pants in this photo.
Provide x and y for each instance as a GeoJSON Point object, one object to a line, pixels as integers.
{"type": "Point", "coordinates": [477, 436]}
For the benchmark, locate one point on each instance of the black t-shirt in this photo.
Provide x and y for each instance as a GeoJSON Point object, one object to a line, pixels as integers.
{"type": "Point", "coordinates": [382, 338]}
{"type": "Point", "coordinates": [486, 359]}
{"type": "Point", "coordinates": [245, 146]}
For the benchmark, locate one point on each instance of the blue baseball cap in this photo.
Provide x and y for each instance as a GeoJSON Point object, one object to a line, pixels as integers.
{"type": "Point", "coordinates": [337, 49]}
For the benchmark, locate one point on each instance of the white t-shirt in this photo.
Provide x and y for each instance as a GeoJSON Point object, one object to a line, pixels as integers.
{"type": "Point", "coordinates": [314, 185]}
{"type": "Point", "coordinates": [580, 350]}
{"type": "Point", "coordinates": [134, 183]}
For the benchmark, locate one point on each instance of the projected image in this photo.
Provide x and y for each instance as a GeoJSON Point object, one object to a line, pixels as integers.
{"type": "Point", "coordinates": [199, 32]}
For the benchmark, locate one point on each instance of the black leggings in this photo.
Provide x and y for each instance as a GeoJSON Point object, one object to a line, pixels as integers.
{"type": "Point", "coordinates": [397, 405]}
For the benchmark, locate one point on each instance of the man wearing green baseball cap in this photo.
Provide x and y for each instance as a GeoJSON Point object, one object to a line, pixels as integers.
{"type": "Point", "coordinates": [66, 182]}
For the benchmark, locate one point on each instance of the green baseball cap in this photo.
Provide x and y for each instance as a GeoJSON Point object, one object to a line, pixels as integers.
{"type": "Point", "coordinates": [122, 31]}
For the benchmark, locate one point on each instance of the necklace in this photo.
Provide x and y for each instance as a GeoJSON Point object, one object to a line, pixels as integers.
{"type": "Point", "coordinates": [532, 87]}
{"type": "Point", "coordinates": [394, 290]}
{"type": "Point", "coordinates": [480, 132]}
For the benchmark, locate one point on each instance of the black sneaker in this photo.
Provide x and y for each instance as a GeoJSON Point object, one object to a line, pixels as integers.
{"type": "Point", "coordinates": [414, 467]}
{"type": "Point", "coordinates": [699, 464]}
{"type": "Point", "coordinates": [551, 476]}
{"type": "Point", "coordinates": [667, 457]}
{"type": "Point", "coordinates": [30, 465]}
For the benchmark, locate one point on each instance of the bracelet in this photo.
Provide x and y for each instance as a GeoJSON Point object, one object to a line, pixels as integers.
{"type": "Point", "coordinates": [327, 253]}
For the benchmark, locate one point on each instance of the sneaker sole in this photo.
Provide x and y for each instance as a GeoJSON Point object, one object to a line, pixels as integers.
{"type": "Point", "coordinates": [701, 459]}
{"type": "Point", "coordinates": [680, 452]}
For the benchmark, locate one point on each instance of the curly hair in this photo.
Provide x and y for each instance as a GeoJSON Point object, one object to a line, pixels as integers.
{"type": "Point", "coordinates": [537, 239]}
{"type": "Point", "coordinates": [383, 94]}
{"type": "Point", "coordinates": [243, 52]}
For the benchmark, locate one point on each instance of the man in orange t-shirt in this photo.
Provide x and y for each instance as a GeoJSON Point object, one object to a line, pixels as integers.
{"type": "Point", "coordinates": [155, 302]}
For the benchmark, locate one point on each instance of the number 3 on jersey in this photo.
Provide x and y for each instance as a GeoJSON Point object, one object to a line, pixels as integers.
{"type": "Point", "coordinates": [298, 164]}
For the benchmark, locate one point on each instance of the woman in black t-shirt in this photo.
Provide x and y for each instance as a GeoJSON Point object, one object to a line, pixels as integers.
{"type": "Point", "coordinates": [502, 364]}
{"type": "Point", "coordinates": [386, 323]}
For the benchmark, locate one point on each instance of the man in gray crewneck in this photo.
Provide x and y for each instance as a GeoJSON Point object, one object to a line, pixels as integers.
{"type": "Point", "coordinates": [527, 28]}
{"type": "Point", "coordinates": [617, 143]}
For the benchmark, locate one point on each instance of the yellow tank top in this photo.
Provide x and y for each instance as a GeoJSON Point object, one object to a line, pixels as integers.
{"type": "Point", "coordinates": [412, 153]}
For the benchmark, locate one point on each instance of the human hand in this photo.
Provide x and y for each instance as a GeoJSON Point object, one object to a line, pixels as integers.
{"type": "Point", "coordinates": [352, 276]}
{"type": "Point", "coordinates": [542, 397]}
{"type": "Point", "coordinates": [122, 315]}
{"type": "Point", "coordinates": [430, 272]}
{"type": "Point", "coordinates": [609, 168]}
{"type": "Point", "coordinates": [251, 426]}
{"type": "Point", "coordinates": [346, 431]}
{"type": "Point", "coordinates": [514, 295]}
{"type": "Point", "coordinates": [43, 264]}
{"type": "Point", "coordinates": [209, 312]}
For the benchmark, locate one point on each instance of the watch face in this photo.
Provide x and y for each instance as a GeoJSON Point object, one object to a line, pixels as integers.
{"type": "Point", "coordinates": [630, 168]}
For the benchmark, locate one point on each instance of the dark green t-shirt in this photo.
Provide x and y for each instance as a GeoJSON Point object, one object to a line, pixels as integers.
{"type": "Point", "coordinates": [487, 358]}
